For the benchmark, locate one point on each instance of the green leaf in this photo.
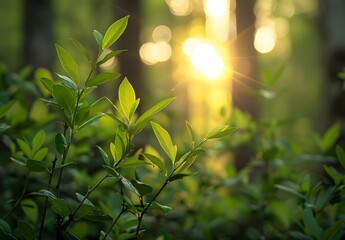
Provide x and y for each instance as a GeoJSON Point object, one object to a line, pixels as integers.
{"type": "Point", "coordinates": [60, 207]}
{"type": "Point", "coordinates": [127, 184]}
{"type": "Point", "coordinates": [67, 82]}
{"type": "Point", "coordinates": [220, 131]}
{"type": "Point", "coordinates": [126, 98]}
{"type": "Point", "coordinates": [164, 140]}
{"type": "Point", "coordinates": [334, 174]}
{"type": "Point", "coordinates": [5, 227]}
{"type": "Point", "coordinates": [323, 197]}
{"type": "Point", "coordinates": [290, 190]}
{"type": "Point", "coordinates": [30, 209]}
{"type": "Point", "coordinates": [47, 84]}
{"type": "Point", "coordinates": [114, 32]}
{"type": "Point", "coordinates": [38, 140]}
{"type": "Point", "coordinates": [190, 131]}
{"type": "Point", "coordinates": [64, 97]}
{"type": "Point", "coordinates": [110, 55]}
{"type": "Point", "coordinates": [131, 162]}
{"type": "Point", "coordinates": [81, 48]}
{"type": "Point", "coordinates": [36, 166]}
{"type": "Point", "coordinates": [341, 156]}
{"type": "Point", "coordinates": [24, 146]}
{"type": "Point", "coordinates": [156, 161]}
{"type": "Point", "coordinates": [4, 108]}
{"type": "Point", "coordinates": [82, 198]}
{"type": "Point", "coordinates": [119, 146]}
{"type": "Point", "coordinates": [330, 137]}
{"type": "Point", "coordinates": [104, 156]}
{"type": "Point", "coordinates": [147, 116]}
{"type": "Point", "coordinates": [47, 193]}
{"type": "Point", "coordinates": [69, 236]}
{"type": "Point", "coordinates": [310, 223]}
{"type": "Point", "coordinates": [60, 143]}
{"type": "Point", "coordinates": [158, 209]}
{"type": "Point", "coordinates": [24, 231]}
{"type": "Point", "coordinates": [99, 38]}
{"type": "Point", "coordinates": [335, 231]}
{"type": "Point", "coordinates": [111, 171]}
{"type": "Point", "coordinates": [142, 188]}
{"type": "Point", "coordinates": [68, 64]}
{"type": "Point", "coordinates": [182, 175]}
{"type": "Point", "coordinates": [91, 120]}
{"type": "Point", "coordinates": [102, 78]}
{"type": "Point", "coordinates": [40, 154]}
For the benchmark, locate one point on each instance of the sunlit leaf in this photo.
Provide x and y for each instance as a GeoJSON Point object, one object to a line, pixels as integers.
{"type": "Point", "coordinates": [127, 98]}
{"type": "Point", "coordinates": [25, 147]}
{"type": "Point", "coordinates": [40, 154]}
{"type": "Point", "coordinates": [68, 64]}
{"type": "Point", "coordinates": [220, 131]}
{"type": "Point", "coordinates": [190, 131]}
{"type": "Point", "coordinates": [47, 84]}
{"type": "Point", "coordinates": [102, 78]}
{"type": "Point", "coordinates": [4, 108]}
{"type": "Point", "coordinates": [114, 32]}
{"type": "Point", "coordinates": [131, 162]}
{"type": "Point", "coordinates": [110, 55]}
{"type": "Point", "coordinates": [38, 140]}
{"type": "Point", "coordinates": [147, 116]}
{"type": "Point", "coordinates": [99, 38]}
{"type": "Point", "coordinates": [156, 161]}
{"type": "Point", "coordinates": [91, 120]}
{"type": "Point", "coordinates": [64, 97]}
{"type": "Point", "coordinates": [164, 140]}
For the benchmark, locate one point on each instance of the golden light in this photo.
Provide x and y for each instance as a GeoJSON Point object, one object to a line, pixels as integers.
{"type": "Point", "coordinates": [179, 7]}
{"type": "Point", "coordinates": [161, 33]}
{"type": "Point", "coordinates": [204, 57]}
{"type": "Point", "coordinates": [265, 39]}
{"type": "Point", "coordinates": [216, 8]}
{"type": "Point", "coordinates": [152, 53]}
{"type": "Point", "coordinates": [110, 64]}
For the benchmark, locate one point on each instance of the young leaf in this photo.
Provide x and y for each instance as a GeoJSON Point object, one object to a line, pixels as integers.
{"type": "Point", "coordinates": [110, 55]}
{"type": "Point", "coordinates": [126, 98]}
{"type": "Point", "coordinates": [114, 32]}
{"type": "Point", "coordinates": [220, 131]}
{"type": "Point", "coordinates": [190, 131]}
{"type": "Point", "coordinates": [24, 146]}
{"type": "Point", "coordinates": [141, 187]}
{"type": "Point", "coordinates": [164, 140]}
{"type": "Point", "coordinates": [40, 154]}
{"type": "Point", "coordinates": [64, 97]}
{"type": "Point", "coordinates": [68, 64]}
{"type": "Point", "coordinates": [4, 108]}
{"type": "Point", "coordinates": [81, 48]}
{"type": "Point", "coordinates": [147, 116]}
{"type": "Point", "coordinates": [47, 84]}
{"type": "Point", "coordinates": [99, 38]}
{"type": "Point", "coordinates": [91, 120]}
{"type": "Point", "coordinates": [38, 140]}
{"type": "Point", "coordinates": [102, 78]}
{"type": "Point", "coordinates": [156, 161]}
{"type": "Point", "coordinates": [67, 82]}
{"type": "Point", "coordinates": [341, 156]}
{"type": "Point", "coordinates": [104, 156]}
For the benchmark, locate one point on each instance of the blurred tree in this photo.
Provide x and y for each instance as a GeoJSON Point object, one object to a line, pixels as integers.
{"type": "Point", "coordinates": [333, 19]}
{"type": "Point", "coordinates": [130, 64]}
{"type": "Point", "coordinates": [38, 48]}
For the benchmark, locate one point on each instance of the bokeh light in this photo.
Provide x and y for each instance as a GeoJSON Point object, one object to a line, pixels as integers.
{"type": "Point", "coordinates": [216, 8]}
{"type": "Point", "coordinates": [152, 53]}
{"type": "Point", "coordinates": [180, 7]}
{"type": "Point", "coordinates": [265, 39]}
{"type": "Point", "coordinates": [161, 33]}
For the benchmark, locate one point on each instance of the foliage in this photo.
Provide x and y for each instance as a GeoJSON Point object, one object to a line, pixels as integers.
{"type": "Point", "coordinates": [64, 186]}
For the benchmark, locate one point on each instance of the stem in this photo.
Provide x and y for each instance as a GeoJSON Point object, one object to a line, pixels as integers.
{"type": "Point", "coordinates": [46, 199]}
{"type": "Point", "coordinates": [123, 210]}
{"type": "Point", "coordinates": [20, 197]}
{"type": "Point", "coordinates": [70, 217]}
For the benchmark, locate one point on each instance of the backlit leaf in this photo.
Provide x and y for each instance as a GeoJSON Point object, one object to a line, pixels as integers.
{"type": "Point", "coordinates": [81, 48]}
{"type": "Point", "coordinates": [164, 140]}
{"type": "Point", "coordinates": [126, 98]}
{"type": "Point", "coordinates": [156, 161]}
{"type": "Point", "coordinates": [109, 56]}
{"type": "Point", "coordinates": [99, 38]}
{"type": "Point", "coordinates": [25, 147]}
{"type": "Point", "coordinates": [40, 154]}
{"type": "Point", "coordinates": [220, 131]}
{"type": "Point", "coordinates": [47, 84]}
{"type": "Point", "coordinates": [114, 32]}
{"type": "Point", "coordinates": [102, 78]}
{"type": "Point", "coordinates": [38, 140]}
{"type": "Point", "coordinates": [68, 64]}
